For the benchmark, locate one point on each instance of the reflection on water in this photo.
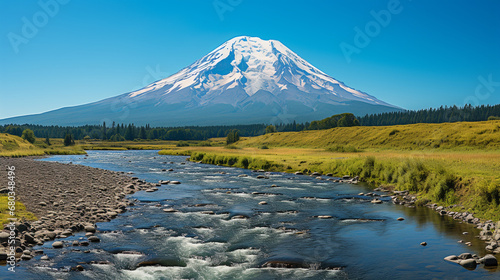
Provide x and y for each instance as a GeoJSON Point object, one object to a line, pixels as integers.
{"type": "Point", "coordinates": [306, 229]}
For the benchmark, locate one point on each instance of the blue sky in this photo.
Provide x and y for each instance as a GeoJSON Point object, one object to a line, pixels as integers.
{"type": "Point", "coordinates": [58, 53]}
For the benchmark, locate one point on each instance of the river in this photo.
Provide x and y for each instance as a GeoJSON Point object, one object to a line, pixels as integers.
{"type": "Point", "coordinates": [220, 231]}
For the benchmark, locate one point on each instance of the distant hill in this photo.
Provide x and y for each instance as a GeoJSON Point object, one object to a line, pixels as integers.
{"type": "Point", "coordinates": [414, 136]}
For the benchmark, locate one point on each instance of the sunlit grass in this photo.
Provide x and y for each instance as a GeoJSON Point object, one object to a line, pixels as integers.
{"type": "Point", "coordinates": [454, 163]}
{"type": "Point", "coordinates": [20, 211]}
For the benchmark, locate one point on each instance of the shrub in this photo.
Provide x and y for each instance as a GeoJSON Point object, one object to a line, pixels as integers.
{"type": "Point", "coordinates": [343, 149]}
{"type": "Point", "coordinates": [270, 129]}
{"type": "Point", "coordinates": [394, 131]}
{"type": "Point", "coordinates": [29, 136]}
{"type": "Point", "coordinates": [182, 144]}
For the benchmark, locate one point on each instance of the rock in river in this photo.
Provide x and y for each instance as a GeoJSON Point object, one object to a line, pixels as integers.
{"type": "Point", "coordinates": [57, 244]}
{"type": "Point", "coordinates": [376, 201]}
{"type": "Point", "coordinates": [489, 260]}
{"type": "Point", "coordinates": [468, 263]}
{"type": "Point", "coordinates": [94, 238]}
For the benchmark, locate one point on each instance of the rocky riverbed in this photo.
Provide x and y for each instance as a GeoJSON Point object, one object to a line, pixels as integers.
{"type": "Point", "coordinates": [65, 198]}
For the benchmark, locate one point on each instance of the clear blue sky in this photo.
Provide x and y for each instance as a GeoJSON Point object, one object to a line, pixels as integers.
{"type": "Point", "coordinates": [429, 53]}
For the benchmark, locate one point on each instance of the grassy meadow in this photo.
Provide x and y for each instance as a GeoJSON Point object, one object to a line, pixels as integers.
{"type": "Point", "coordinates": [450, 163]}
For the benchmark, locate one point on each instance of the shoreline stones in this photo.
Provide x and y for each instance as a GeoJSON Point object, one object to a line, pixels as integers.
{"type": "Point", "coordinates": [490, 231]}
{"type": "Point", "coordinates": [66, 199]}
{"type": "Point", "coordinates": [469, 261]}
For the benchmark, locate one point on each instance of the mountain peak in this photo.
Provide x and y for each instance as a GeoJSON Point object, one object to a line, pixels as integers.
{"type": "Point", "coordinates": [252, 64]}
{"type": "Point", "coordinates": [244, 80]}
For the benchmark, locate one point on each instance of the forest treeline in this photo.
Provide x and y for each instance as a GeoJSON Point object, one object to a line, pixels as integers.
{"type": "Point", "coordinates": [431, 115]}
{"type": "Point", "coordinates": [122, 132]}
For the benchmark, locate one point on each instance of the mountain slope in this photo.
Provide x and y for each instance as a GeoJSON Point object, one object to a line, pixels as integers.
{"type": "Point", "coordinates": [245, 80]}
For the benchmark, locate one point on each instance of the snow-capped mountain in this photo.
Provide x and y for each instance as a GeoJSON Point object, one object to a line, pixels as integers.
{"type": "Point", "coordinates": [245, 80]}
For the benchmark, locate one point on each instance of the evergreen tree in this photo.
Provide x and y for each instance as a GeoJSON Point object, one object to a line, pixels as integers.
{"type": "Point", "coordinates": [104, 135]}
{"type": "Point", "coordinates": [68, 140]}
{"type": "Point", "coordinates": [142, 134]}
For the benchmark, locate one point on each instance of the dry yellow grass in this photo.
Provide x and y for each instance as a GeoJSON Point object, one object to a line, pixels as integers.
{"type": "Point", "coordinates": [461, 135]}
{"type": "Point", "coordinates": [424, 158]}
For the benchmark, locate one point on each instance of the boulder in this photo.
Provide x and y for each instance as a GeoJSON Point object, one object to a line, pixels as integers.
{"type": "Point", "coordinates": [94, 238]}
{"type": "Point", "coordinates": [89, 228]}
{"type": "Point", "coordinates": [26, 257]}
{"type": "Point", "coordinates": [30, 239]}
{"type": "Point", "coordinates": [452, 258]}
{"type": "Point", "coordinates": [3, 255]}
{"type": "Point", "coordinates": [79, 268]}
{"type": "Point", "coordinates": [468, 263]}
{"type": "Point", "coordinates": [4, 236]}
{"type": "Point", "coordinates": [465, 256]}
{"type": "Point", "coordinates": [489, 260]}
{"type": "Point", "coordinates": [57, 244]}
{"type": "Point", "coordinates": [376, 201]}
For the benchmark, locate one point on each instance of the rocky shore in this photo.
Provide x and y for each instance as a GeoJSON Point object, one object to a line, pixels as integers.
{"type": "Point", "coordinates": [490, 231]}
{"type": "Point", "coordinates": [65, 198]}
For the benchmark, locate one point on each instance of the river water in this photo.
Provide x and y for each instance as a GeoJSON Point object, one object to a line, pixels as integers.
{"type": "Point", "coordinates": [363, 239]}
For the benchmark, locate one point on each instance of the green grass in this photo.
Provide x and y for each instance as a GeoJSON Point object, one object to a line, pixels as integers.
{"type": "Point", "coordinates": [452, 163]}
{"type": "Point", "coordinates": [14, 146]}
{"type": "Point", "coordinates": [20, 211]}
{"type": "Point", "coordinates": [457, 136]}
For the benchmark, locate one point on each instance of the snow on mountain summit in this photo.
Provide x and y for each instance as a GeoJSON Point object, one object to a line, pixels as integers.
{"type": "Point", "coordinates": [246, 80]}
{"type": "Point", "coordinates": [250, 64]}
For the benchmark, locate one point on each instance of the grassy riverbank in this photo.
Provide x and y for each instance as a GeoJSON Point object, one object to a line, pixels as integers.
{"type": "Point", "coordinates": [450, 164]}
{"type": "Point", "coordinates": [15, 146]}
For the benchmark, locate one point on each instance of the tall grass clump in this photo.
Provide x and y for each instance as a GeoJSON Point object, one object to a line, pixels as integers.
{"type": "Point", "coordinates": [343, 149]}
{"type": "Point", "coordinates": [236, 161]}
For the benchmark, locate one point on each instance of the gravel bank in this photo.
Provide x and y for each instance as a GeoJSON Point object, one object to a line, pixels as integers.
{"type": "Point", "coordinates": [65, 198]}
